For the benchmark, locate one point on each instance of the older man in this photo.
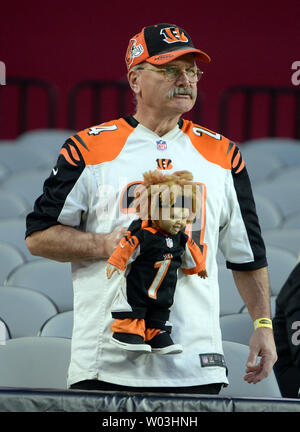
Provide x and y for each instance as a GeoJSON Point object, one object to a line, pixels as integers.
{"type": "Point", "coordinates": [87, 205]}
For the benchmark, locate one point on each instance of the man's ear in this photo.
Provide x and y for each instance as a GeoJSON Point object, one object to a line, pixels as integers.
{"type": "Point", "coordinates": [133, 79]}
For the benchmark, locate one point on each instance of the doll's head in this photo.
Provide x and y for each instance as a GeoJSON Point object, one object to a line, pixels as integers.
{"type": "Point", "coordinates": [169, 201]}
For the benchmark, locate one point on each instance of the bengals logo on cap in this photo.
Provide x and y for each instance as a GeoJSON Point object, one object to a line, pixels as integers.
{"type": "Point", "coordinates": [173, 34]}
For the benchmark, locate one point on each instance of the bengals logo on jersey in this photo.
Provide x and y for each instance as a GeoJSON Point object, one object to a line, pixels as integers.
{"type": "Point", "coordinates": [172, 34]}
{"type": "Point", "coordinates": [164, 164]}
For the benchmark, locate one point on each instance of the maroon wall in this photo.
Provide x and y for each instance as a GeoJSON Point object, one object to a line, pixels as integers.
{"type": "Point", "coordinates": [65, 42]}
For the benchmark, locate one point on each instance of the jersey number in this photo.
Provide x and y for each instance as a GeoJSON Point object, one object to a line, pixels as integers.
{"type": "Point", "coordinates": [159, 277]}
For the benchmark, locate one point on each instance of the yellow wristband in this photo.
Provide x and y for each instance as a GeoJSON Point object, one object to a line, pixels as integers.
{"type": "Point", "coordinates": [262, 322]}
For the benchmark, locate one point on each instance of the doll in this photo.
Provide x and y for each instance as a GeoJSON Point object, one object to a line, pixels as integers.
{"type": "Point", "coordinates": [153, 249]}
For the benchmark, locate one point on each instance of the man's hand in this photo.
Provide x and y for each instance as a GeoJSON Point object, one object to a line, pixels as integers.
{"type": "Point", "coordinates": [261, 345]}
{"type": "Point", "coordinates": [112, 240]}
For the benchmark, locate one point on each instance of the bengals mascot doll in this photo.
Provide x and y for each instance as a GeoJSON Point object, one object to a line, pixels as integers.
{"type": "Point", "coordinates": [153, 249]}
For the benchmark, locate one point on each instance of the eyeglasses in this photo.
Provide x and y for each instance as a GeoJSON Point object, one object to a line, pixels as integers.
{"type": "Point", "coordinates": [172, 73]}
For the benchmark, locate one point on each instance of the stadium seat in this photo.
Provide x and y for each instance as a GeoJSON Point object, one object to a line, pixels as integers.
{"type": "Point", "coordinates": [12, 231]}
{"type": "Point", "coordinates": [60, 325]}
{"type": "Point", "coordinates": [288, 174]}
{"type": "Point", "coordinates": [19, 158]}
{"type": "Point", "coordinates": [10, 258]}
{"type": "Point", "coordinates": [230, 300]}
{"type": "Point", "coordinates": [237, 327]}
{"type": "Point", "coordinates": [270, 216]}
{"type": "Point", "coordinates": [24, 310]}
{"type": "Point", "coordinates": [35, 362]}
{"type": "Point", "coordinates": [4, 172]}
{"type": "Point", "coordinates": [12, 205]}
{"type": "Point", "coordinates": [292, 222]}
{"type": "Point", "coordinates": [236, 356]}
{"type": "Point", "coordinates": [4, 332]}
{"type": "Point", "coordinates": [286, 238]}
{"type": "Point", "coordinates": [284, 194]}
{"type": "Point", "coordinates": [285, 149]}
{"type": "Point", "coordinates": [281, 263]}
{"type": "Point", "coordinates": [27, 184]}
{"type": "Point", "coordinates": [51, 278]}
{"type": "Point", "coordinates": [263, 167]}
{"type": "Point", "coordinates": [48, 141]}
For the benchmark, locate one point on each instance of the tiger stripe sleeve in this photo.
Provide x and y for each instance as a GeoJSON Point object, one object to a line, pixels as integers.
{"type": "Point", "coordinates": [128, 246]}
{"type": "Point", "coordinates": [193, 259]}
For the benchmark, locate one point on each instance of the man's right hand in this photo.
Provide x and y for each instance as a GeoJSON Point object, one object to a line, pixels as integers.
{"type": "Point", "coordinates": [112, 240]}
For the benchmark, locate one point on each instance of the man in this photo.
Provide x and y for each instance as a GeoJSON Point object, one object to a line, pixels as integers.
{"type": "Point", "coordinates": [86, 207]}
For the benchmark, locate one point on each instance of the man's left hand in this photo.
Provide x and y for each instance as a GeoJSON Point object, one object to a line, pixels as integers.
{"type": "Point", "coordinates": [261, 345]}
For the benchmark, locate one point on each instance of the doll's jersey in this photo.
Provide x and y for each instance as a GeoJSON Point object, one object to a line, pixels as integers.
{"type": "Point", "coordinates": [152, 258]}
{"type": "Point", "coordinates": [92, 188]}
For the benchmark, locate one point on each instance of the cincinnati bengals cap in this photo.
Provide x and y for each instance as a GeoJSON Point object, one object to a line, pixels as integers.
{"type": "Point", "coordinates": [159, 44]}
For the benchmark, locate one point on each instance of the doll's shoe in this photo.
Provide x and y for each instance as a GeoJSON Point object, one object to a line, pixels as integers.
{"type": "Point", "coordinates": [163, 344]}
{"type": "Point", "coordinates": [130, 342]}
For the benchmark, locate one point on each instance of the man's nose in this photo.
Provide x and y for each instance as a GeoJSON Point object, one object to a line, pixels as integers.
{"type": "Point", "coordinates": [183, 78]}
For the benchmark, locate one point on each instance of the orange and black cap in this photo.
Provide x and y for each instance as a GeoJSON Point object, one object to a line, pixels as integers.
{"type": "Point", "coordinates": [159, 44]}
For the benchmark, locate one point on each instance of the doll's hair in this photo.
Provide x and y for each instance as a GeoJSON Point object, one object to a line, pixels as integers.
{"type": "Point", "coordinates": [162, 191]}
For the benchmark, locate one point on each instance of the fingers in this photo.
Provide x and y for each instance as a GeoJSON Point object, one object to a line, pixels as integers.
{"type": "Point", "coordinates": [255, 374]}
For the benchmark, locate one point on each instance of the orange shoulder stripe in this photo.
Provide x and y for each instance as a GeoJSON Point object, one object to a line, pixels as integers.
{"type": "Point", "coordinates": [123, 252]}
{"type": "Point", "coordinates": [211, 145]}
{"type": "Point", "coordinates": [104, 142]}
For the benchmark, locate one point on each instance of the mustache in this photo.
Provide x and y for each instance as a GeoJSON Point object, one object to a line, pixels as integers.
{"type": "Point", "coordinates": [182, 91]}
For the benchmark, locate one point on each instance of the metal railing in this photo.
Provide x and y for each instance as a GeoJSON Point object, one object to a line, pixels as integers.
{"type": "Point", "coordinates": [98, 99]}
{"type": "Point", "coordinates": [24, 87]}
{"type": "Point", "coordinates": [250, 107]}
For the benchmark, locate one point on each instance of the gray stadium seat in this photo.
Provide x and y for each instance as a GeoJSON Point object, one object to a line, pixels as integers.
{"type": "Point", "coordinates": [12, 231]}
{"type": "Point", "coordinates": [230, 300]}
{"type": "Point", "coordinates": [24, 310]}
{"type": "Point", "coordinates": [292, 222]}
{"type": "Point", "coordinates": [236, 356]}
{"type": "Point", "coordinates": [286, 238]}
{"type": "Point", "coordinates": [285, 195]}
{"type": "Point", "coordinates": [12, 205]}
{"type": "Point", "coordinates": [10, 258]}
{"type": "Point", "coordinates": [48, 141]}
{"type": "Point", "coordinates": [4, 171]}
{"type": "Point", "coordinates": [288, 174]}
{"type": "Point", "coordinates": [237, 327]}
{"type": "Point", "coordinates": [35, 362]}
{"type": "Point", "coordinates": [269, 215]}
{"type": "Point", "coordinates": [17, 157]}
{"type": "Point", "coordinates": [4, 332]}
{"type": "Point", "coordinates": [285, 149]}
{"type": "Point", "coordinates": [27, 184]}
{"type": "Point", "coordinates": [281, 263]}
{"type": "Point", "coordinates": [52, 278]}
{"type": "Point", "coordinates": [263, 167]}
{"type": "Point", "coordinates": [61, 325]}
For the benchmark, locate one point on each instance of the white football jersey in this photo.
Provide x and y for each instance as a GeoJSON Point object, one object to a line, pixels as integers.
{"type": "Point", "coordinates": [92, 188]}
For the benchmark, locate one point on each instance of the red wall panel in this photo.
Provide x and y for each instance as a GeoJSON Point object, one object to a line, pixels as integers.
{"type": "Point", "coordinates": [65, 42]}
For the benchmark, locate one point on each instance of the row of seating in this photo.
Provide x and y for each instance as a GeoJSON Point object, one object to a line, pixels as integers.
{"type": "Point", "coordinates": [28, 363]}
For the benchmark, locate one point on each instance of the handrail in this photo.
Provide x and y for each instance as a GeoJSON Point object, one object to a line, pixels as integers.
{"type": "Point", "coordinates": [24, 86]}
{"type": "Point", "coordinates": [249, 93]}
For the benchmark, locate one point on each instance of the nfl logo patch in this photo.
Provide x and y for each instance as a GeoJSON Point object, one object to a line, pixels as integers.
{"type": "Point", "coordinates": [161, 145]}
{"type": "Point", "coordinates": [169, 242]}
